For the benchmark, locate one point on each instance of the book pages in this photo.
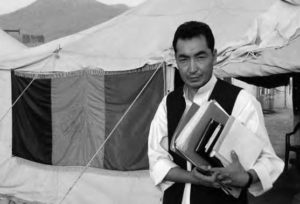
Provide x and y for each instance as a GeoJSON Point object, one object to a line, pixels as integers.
{"type": "Point", "coordinates": [197, 132]}
{"type": "Point", "coordinates": [236, 137]}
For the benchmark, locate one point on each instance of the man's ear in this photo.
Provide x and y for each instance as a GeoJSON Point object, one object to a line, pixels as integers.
{"type": "Point", "coordinates": [215, 53]}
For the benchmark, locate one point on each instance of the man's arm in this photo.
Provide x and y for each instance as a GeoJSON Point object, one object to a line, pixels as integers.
{"type": "Point", "coordinates": [180, 175]}
{"type": "Point", "coordinates": [268, 166]}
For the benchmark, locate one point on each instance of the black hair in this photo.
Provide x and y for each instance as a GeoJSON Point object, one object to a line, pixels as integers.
{"type": "Point", "coordinates": [191, 29]}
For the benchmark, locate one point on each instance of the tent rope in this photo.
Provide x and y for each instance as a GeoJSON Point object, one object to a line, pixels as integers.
{"type": "Point", "coordinates": [110, 134]}
{"type": "Point", "coordinates": [5, 114]}
{"type": "Point", "coordinates": [14, 103]}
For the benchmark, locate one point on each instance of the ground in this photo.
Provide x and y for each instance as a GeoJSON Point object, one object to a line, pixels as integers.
{"type": "Point", "coordinates": [278, 123]}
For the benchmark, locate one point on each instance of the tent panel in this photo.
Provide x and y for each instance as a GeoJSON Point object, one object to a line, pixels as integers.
{"type": "Point", "coordinates": [32, 182]}
{"type": "Point", "coordinates": [127, 147]}
{"type": "Point", "coordinates": [78, 112]}
{"type": "Point", "coordinates": [59, 119]}
{"type": "Point", "coordinates": [31, 119]}
{"type": "Point", "coordinates": [5, 115]}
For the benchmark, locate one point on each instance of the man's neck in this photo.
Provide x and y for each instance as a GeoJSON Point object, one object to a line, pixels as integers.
{"type": "Point", "coordinates": [191, 92]}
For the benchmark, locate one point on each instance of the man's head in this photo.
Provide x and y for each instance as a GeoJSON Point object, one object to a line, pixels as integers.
{"type": "Point", "coordinates": [195, 55]}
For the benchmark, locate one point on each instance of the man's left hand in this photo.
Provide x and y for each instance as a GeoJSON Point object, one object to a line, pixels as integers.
{"type": "Point", "coordinates": [234, 174]}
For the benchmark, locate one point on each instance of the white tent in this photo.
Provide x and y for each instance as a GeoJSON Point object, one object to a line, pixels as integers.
{"type": "Point", "coordinates": [144, 34]}
{"type": "Point", "coordinates": [270, 46]}
{"type": "Point", "coordinates": [9, 45]}
{"type": "Point", "coordinates": [138, 37]}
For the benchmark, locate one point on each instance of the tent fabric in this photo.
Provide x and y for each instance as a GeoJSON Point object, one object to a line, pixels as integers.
{"type": "Point", "coordinates": [9, 45]}
{"type": "Point", "coordinates": [27, 181]}
{"type": "Point", "coordinates": [271, 81]}
{"type": "Point", "coordinates": [127, 147]}
{"type": "Point", "coordinates": [59, 120]}
{"type": "Point", "coordinates": [269, 61]}
{"type": "Point", "coordinates": [271, 47]}
{"type": "Point", "coordinates": [64, 120]}
{"type": "Point", "coordinates": [31, 119]}
{"type": "Point", "coordinates": [121, 44]}
{"type": "Point", "coordinates": [78, 104]}
{"type": "Point", "coordinates": [296, 2]}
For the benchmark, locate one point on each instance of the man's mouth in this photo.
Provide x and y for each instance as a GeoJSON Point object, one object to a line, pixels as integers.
{"type": "Point", "coordinates": [194, 78]}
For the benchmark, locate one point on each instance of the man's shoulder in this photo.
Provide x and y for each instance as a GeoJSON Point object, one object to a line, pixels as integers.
{"type": "Point", "coordinates": [242, 93]}
{"type": "Point", "coordinates": [247, 95]}
{"type": "Point", "coordinates": [223, 83]}
{"type": "Point", "coordinates": [175, 100]}
{"type": "Point", "coordinates": [176, 93]}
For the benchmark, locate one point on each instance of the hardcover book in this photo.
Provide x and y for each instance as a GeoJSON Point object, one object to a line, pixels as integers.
{"type": "Point", "coordinates": [194, 131]}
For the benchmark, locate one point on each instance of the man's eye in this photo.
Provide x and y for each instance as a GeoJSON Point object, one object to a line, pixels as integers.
{"type": "Point", "coordinates": [201, 57]}
{"type": "Point", "coordinates": [183, 60]}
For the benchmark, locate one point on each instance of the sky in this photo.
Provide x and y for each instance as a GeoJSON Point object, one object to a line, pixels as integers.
{"type": "Point", "coordinates": [7, 6]}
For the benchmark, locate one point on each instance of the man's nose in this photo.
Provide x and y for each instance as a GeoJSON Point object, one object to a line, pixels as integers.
{"type": "Point", "coordinates": [192, 66]}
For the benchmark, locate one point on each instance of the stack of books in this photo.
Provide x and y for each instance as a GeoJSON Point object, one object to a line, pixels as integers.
{"type": "Point", "coordinates": [206, 135]}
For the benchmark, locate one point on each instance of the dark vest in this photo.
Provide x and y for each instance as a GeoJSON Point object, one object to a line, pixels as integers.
{"type": "Point", "coordinates": [225, 94]}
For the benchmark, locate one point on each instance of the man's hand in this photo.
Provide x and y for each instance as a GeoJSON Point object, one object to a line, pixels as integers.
{"type": "Point", "coordinates": [180, 175]}
{"type": "Point", "coordinates": [234, 174]}
{"type": "Point", "coordinates": [209, 180]}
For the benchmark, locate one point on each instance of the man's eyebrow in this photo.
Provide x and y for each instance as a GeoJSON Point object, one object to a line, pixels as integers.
{"type": "Point", "coordinates": [200, 53]}
{"type": "Point", "coordinates": [196, 54]}
{"type": "Point", "coordinates": [183, 55]}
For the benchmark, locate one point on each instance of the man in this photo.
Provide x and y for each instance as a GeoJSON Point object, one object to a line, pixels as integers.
{"type": "Point", "coordinates": [195, 55]}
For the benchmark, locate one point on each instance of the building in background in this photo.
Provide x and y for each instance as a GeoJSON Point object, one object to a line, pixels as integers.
{"type": "Point", "coordinates": [27, 39]}
{"type": "Point", "coordinates": [269, 98]}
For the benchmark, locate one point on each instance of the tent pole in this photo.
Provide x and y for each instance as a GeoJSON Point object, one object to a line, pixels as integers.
{"type": "Point", "coordinates": [296, 110]}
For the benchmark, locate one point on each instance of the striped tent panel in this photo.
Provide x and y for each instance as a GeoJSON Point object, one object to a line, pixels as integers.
{"type": "Point", "coordinates": [63, 118]}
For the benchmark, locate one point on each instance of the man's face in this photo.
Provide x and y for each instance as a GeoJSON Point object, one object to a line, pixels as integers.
{"type": "Point", "coordinates": [195, 61]}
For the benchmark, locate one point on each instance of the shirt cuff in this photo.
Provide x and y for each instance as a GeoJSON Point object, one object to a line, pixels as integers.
{"type": "Point", "coordinates": [265, 183]}
{"type": "Point", "coordinates": [159, 172]}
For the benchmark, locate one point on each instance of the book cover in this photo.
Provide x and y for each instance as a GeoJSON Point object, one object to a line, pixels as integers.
{"type": "Point", "coordinates": [183, 121]}
{"type": "Point", "coordinates": [236, 137]}
{"type": "Point", "coordinates": [190, 141]}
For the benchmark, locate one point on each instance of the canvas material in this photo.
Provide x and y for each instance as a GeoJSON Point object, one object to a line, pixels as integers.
{"type": "Point", "coordinates": [64, 120]}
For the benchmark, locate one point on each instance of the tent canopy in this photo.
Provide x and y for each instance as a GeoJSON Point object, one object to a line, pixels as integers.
{"type": "Point", "coordinates": [143, 35]}
{"type": "Point", "coordinates": [8, 44]}
{"type": "Point", "coordinates": [268, 53]}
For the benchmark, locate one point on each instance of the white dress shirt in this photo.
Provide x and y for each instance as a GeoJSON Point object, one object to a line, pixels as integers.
{"type": "Point", "coordinates": [246, 109]}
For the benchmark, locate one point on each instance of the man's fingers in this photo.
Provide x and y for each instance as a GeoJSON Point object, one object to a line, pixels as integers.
{"type": "Point", "coordinates": [220, 177]}
{"type": "Point", "coordinates": [216, 185]}
{"type": "Point", "coordinates": [234, 156]}
{"type": "Point", "coordinates": [201, 176]}
{"type": "Point", "coordinates": [217, 169]}
{"type": "Point", "coordinates": [208, 180]}
{"type": "Point", "coordinates": [222, 171]}
{"type": "Point", "coordinates": [206, 168]}
{"type": "Point", "coordinates": [226, 181]}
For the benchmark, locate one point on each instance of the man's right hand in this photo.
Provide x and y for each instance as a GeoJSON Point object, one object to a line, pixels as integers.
{"type": "Point", "coordinates": [180, 175]}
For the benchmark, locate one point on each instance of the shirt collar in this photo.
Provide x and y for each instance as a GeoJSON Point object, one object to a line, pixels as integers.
{"type": "Point", "coordinates": [204, 91]}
